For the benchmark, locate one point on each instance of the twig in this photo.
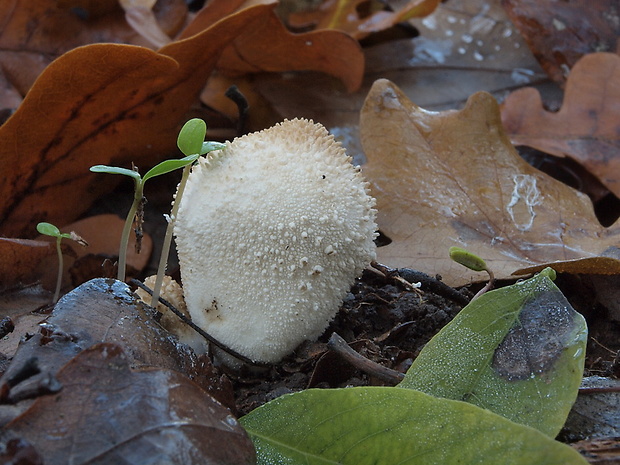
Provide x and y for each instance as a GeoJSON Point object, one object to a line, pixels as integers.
{"type": "Point", "coordinates": [340, 346]}
{"type": "Point", "coordinates": [598, 390]}
{"type": "Point", "coordinates": [234, 94]}
{"type": "Point", "coordinates": [391, 273]}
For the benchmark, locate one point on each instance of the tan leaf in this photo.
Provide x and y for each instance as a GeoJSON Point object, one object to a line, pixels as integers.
{"type": "Point", "coordinates": [587, 127]}
{"type": "Point", "coordinates": [453, 179]}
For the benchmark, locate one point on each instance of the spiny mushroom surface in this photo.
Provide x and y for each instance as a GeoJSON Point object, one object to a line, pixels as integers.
{"type": "Point", "coordinates": [271, 233]}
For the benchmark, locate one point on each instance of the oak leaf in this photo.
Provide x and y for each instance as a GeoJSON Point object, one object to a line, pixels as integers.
{"type": "Point", "coordinates": [63, 25]}
{"type": "Point", "coordinates": [587, 127]}
{"type": "Point", "coordinates": [352, 17]}
{"type": "Point", "coordinates": [452, 178]}
{"type": "Point", "coordinates": [117, 104]}
{"type": "Point", "coordinates": [560, 33]}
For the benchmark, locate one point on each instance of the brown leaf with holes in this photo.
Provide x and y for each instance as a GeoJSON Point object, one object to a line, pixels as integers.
{"type": "Point", "coordinates": [587, 127]}
{"type": "Point", "coordinates": [560, 33]}
{"type": "Point", "coordinates": [117, 104]}
{"type": "Point", "coordinates": [106, 412]}
{"type": "Point", "coordinates": [452, 178]}
{"type": "Point", "coordinates": [359, 18]}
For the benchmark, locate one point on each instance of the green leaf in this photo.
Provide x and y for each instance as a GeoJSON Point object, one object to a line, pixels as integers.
{"type": "Point", "coordinates": [167, 166]}
{"type": "Point", "coordinates": [467, 259]}
{"type": "Point", "coordinates": [518, 351]}
{"type": "Point", "coordinates": [48, 229]}
{"type": "Point", "coordinates": [116, 170]}
{"type": "Point", "coordinates": [191, 136]}
{"type": "Point", "coordinates": [210, 146]}
{"type": "Point", "coordinates": [390, 426]}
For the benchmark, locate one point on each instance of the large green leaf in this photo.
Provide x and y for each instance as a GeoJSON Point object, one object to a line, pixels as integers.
{"type": "Point", "coordinates": [383, 425]}
{"type": "Point", "coordinates": [517, 351]}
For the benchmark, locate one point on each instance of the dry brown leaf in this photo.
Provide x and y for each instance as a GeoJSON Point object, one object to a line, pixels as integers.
{"type": "Point", "coordinates": [25, 50]}
{"type": "Point", "coordinates": [117, 104]}
{"type": "Point", "coordinates": [359, 18]}
{"type": "Point", "coordinates": [268, 47]}
{"type": "Point", "coordinates": [587, 127]}
{"type": "Point", "coordinates": [212, 12]}
{"type": "Point", "coordinates": [20, 259]}
{"type": "Point", "coordinates": [28, 261]}
{"type": "Point", "coordinates": [560, 33]}
{"type": "Point", "coordinates": [452, 178]}
{"type": "Point", "coordinates": [103, 234]}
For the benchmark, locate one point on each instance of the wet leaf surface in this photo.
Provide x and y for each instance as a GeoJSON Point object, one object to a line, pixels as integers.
{"type": "Point", "coordinates": [587, 126]}
{"type": "Point", "coordinates": [560, 33]}
{"type": "Point", "coordinates": [453, 179]}
{"type": "Point", "coordinates": [463, 47]}
{"type": "Point", "coordinates": [105, 310]}
{"type": "Point", "coordinates": [108, 413]}
{"type": "Point", "coordinates": [517, 351]}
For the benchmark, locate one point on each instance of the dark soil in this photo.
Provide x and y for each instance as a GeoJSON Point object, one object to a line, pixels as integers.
{"type": "Point", "coordinates": [389, 325]}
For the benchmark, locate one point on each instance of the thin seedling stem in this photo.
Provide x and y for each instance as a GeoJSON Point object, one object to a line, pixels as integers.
{"type": "Point", "coordinates": [60, 269]}
{"type": "Point", "coordinates": [122, 253]}
{"type": "Point", "coordinates": [165, 252]}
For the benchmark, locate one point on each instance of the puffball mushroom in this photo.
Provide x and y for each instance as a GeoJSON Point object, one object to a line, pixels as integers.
{"type": "Point", "coordinates": [271, 233]}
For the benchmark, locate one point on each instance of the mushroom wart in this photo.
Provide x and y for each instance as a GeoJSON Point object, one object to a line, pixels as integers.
{"type": "Point", "coordinates": [271, 233]}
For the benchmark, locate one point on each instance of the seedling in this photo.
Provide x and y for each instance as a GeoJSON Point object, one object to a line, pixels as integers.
{"type": "Point", "coordinates": [191, 142]}
{"type": "Point", "coordinates": [49, 229]}
{"type": "Point", "coordinates": [475, 263]}
{"type": "Point", "coordinates": [164, 167]}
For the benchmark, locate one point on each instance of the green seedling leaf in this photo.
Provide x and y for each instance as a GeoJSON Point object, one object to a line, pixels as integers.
{"type": "Point", "coordinates": [49, 229]}
{"type": "Point", "coordinates": [518, 351]}
{"type": "Point", "coordinates": [167, 166]}
{"type": "Point", "coordinates": [210, 146]}
{"type": "Point", "coordinates": [191, 136]}
{"type": "Point", "coordinates": [115, 170]}
{"type": "Point", "coordinates": [386, 425]}
{"type": "Point", "coordinates": [467, 259]}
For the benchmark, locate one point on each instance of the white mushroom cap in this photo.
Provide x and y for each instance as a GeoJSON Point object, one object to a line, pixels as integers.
{"type": "Point", "coordinates": [271, 233]}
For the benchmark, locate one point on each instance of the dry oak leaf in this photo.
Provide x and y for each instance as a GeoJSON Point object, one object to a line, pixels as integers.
{"type": "Point", "coordinates": [268, 46]}
{"type": "Point", "coordinates": [587, 127]}
{"type": "Point", "coordinates": [349, 16]}
{"type": "Point", "coordinates": [452, 178]}
{"type": "Point", "coordinates": [560, 32]}
{"type": "Point", "coordinates": [110, 104]}
{"type": "Point", "coordinates": [35, 32]}
{"type": "Point", "coordinates": [19, 260]}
